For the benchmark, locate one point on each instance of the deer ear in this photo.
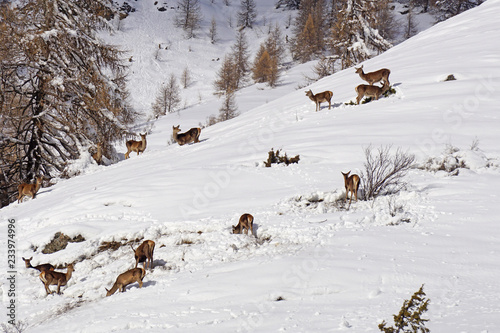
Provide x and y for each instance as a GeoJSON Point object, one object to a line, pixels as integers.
{"type": "Point", "coordinates": [107, 289]}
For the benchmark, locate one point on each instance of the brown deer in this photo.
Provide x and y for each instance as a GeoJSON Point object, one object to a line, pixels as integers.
{"type": "Point", "coordinates": [351, 185]}
{"type": "Point", "coordinates": [124, 279]}
{"type": "Point", "coordinates": [138, 146]}
{"type": "Point", "coordinates": [190, 136]}
{"type": "Point", "coordinates": [144, 253]}
{"type": "Point", "coordinates": [245, 222]}
{"type": "Point", "coordinates": [55, 278]}
{"type": "Point", "coordinates": [29, 189]}
{"type": "Point", "coordinates": [40, 268]}
{"type": "Point", "coordinates": [370, 91]}
{"type": "Point", "coordinates": [325, 96]}
{"type": "Point", "coordinates": [97, 156]}
{"type": "Point", "coordinates": [372, 77]}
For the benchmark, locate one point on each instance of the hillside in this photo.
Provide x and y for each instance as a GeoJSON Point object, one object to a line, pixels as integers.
{"type": "Point", "coordinates": [312, 267]}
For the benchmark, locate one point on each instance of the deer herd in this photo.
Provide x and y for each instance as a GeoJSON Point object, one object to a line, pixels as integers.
{"type": "Point", "coordinates": [144, 252]}
{"type": "Point", "coordinates": [382, 75]}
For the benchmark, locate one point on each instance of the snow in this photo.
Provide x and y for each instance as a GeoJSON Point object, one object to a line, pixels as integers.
{"type": "Point", "coordinates": [313, 266]}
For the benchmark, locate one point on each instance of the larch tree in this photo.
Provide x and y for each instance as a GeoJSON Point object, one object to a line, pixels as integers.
{"type": "Point", "coordinates": [226, 77]}
{"type": "Point", "coordinates": [62, 88]}
{"type": "Point", "coordinates": [247, 14]}
{"type": "Point", "coordinates": [309, 31]}
{"type": "Point", "coordinates": [189, 16]}
{"type": "Point", "coordinates": [228, 109]}
{"type": "Point", "coordinates": [241, 54]}
{"type": "Point", "coordinates": [168, 97]}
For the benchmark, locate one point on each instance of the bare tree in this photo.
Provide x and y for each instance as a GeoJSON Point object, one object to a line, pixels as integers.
{"type": "Point", "coordinates": [189, 16]}
{"type": "Point", "coordinates": [213, 31]}
{"type": "Point", "coordinates": [247, 14]}
{"type": "Point", "coordinates": [168, 97]}
{"type": "Point", "coordinates": [384, 172]}
{"type": "Point", "coordinates": [186, 77]}
{"type": "Point", "coordinates": [411, 25]}
{"type": "Point", "coordinates": [228, 108]}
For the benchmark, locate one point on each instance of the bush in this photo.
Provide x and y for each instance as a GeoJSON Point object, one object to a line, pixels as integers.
{"type": "Point", "coordinates": [384, 172]}
{"type": "Point", "coordinates": [409, 319]}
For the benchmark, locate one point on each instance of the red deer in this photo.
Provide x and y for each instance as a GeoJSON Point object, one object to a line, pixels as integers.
{"type": "Point", "coordinates": [55, 278]}
{"type": "Point", "coordinates": [138, 146]}
{"type": "Point", "coordinates": [325, 96]}
{"type": "Point", "coordinates": [29, 189]}
{"type": "Point", "coordinates": [351, 185]}
{"type": "Point", "coordinates": [372, 77]}
{"type": "Point", "coordinates": [124, 279]}
{"type": "Point", "coordinates": [190, 136]}
{"type": "Point", "coordinates": [245, 222]}
{"type": "Point", "coordinates": [97, 156]}
{"type": "Point", "coordinates": [144, 253]}
{"type": "Point", "coordinates": [370, 91]}
{"type": "Point", "coordinates": [40, 268]}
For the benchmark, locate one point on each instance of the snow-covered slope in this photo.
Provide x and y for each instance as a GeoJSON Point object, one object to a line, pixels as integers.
{"type": "Point", "coordinates": [312, 267]}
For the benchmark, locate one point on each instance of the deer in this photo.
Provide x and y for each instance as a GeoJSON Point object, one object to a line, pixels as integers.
{"type": "Point", "coordinates": [97, 156]}
{"type": "Point", "coordinates": [325, 96]}
{"type": "Point", "coordinates": [56, 278]}
{"type": "Point", "coordinates": [370, 91]}
{"type": "Point", "coordinates": [144, 253]}
{"type": "Point", "coordinates": [29, 189]}
{"type": "Point", "coordinates": [372, 77]}
{"type": "Point", "coordinates": [245, 222]}
{"type": "Point", "coordinates": [138, 146]}
{"type": "Point", "coordinates": [190, 136]}
{"type": "Point", "coordinates": [351, 185]}
{"type": "Point", "coordinates": [124, 279]}
{"type": "Point", "coordinates": [40, 268]}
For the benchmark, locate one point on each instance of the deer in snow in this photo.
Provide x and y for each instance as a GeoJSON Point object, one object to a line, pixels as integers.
{"type": "Point", "coordinates": [325, 96]}
{"type": "Point", "coordinates": [124, 279]}
{"type": "Point", "coordinates": [372, 77]}
{"type": "Point", "coordinates": [97, 156]}
{"type": "Point", "coordinates": [351, 185]}
{"type": "Point", "coordinates": [55, 278]}
{"type": "Point", "coordinates": [29, 190]}
{"type": "Point", "coordinates": [138, 146]}
{"type": "Point", "coordinates": [144, 253]}
{"type": "Point", "coordinates": [245, 222]}
{"type": "Point", "coordinates": [40, 268]}
{"type": "Point", "coordinates": [190, 136]}
{"type": "Point", "coordinates": [370, 91]}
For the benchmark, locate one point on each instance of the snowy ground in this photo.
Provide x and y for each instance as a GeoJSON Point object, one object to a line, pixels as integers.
{"type": "Point", "coordinates": [311, 267]}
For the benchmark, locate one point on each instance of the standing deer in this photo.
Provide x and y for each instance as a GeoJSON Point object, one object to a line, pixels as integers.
{"type": "Point", "coordinates": [370, 91]}
{"type": "Point", "coordinates": [97, 156]}
{"type": "Point", "coordinates": [29, 189]}
{"type": "Point", "coordinates": [55, 278]}
{"type": "Point", "coordinates": [124, 279]}
{"type": "Point", "coordinates": [351, 185]}
{"type": "Point", "coordinates": [245, 222]}
{"type": "Point", "coordinates": [144, 253]}
{"type": "Point", "coordinates": [40, 268]}
{"type": "Point", "coordinates": [325, 96]}
{"type": "Point", "coordinates": [372, 77]}
{"type": "Point", "coordinates": [138, 146]}
{"type": "Point", "coordinates": [190, 136]}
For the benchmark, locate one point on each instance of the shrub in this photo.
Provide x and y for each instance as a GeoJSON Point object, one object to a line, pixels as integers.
{"type": "Point", "coordinates": [384, 172]}
{"type": "Point", "coordinates": [275, 158]}
{"type": "Point", "coordinates": [409, 319]}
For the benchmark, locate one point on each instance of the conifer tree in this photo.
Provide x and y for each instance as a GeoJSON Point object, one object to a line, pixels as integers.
{"type": "Point", "coordinates": [240, 55]}
{"type": "Point", "coordinates": [309, 31]}
{"type": "Point", "coordinates": [228, 109]}
{"type": "Point", "coordinates": [168, 97]}
{"type": "Point", "coordinates": [354, 38]}
{"type": "Point", "coordinates": [62, 88]}
{"type": "Point", "coordinates": [247, 14]}
{"type": "Point", "coordinates": [188, 16]}
{"type": "Point", "coordinates": [226, 76]}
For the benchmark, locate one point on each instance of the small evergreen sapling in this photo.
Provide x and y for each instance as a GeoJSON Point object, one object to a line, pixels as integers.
{"type": "Point", "coordinates": [409, 319]}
